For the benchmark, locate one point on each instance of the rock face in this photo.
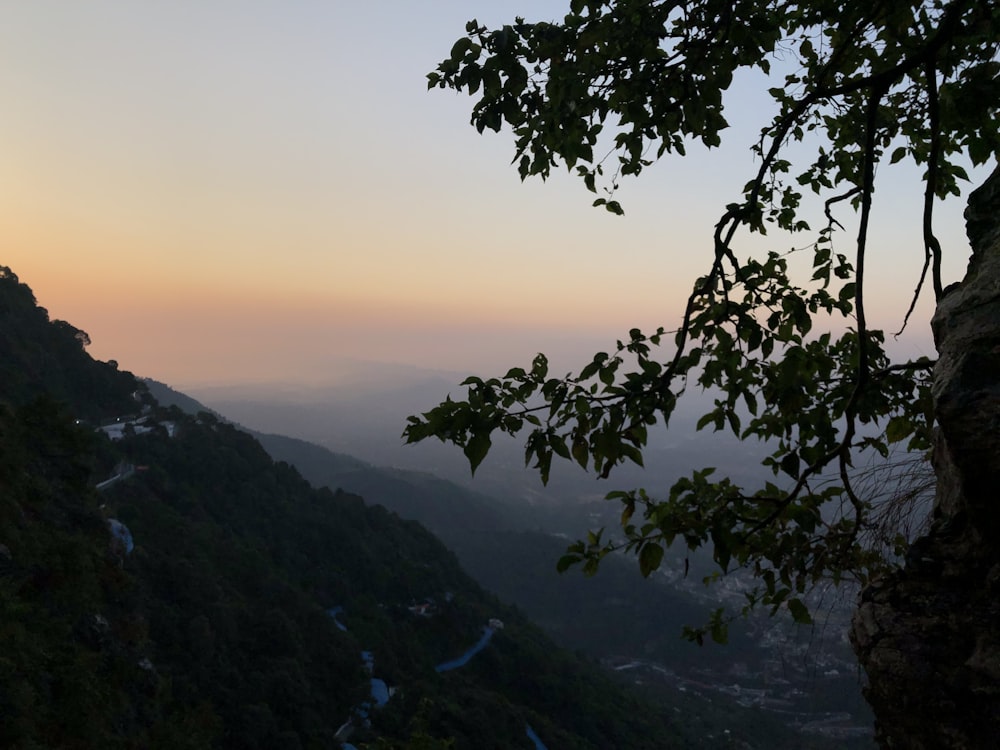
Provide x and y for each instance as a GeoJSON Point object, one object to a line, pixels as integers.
{"type": "Point", "coordinates": [928, 635]}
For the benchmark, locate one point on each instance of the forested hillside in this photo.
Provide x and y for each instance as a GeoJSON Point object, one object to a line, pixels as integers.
{"type": "Point", "coordinates": [206, 596]}
{"type": "Point", "coordinates": [798, 680]}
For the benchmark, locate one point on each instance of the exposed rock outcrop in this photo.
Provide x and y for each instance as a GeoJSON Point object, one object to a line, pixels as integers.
{"type": "Point", "coordinates": [928, 635]}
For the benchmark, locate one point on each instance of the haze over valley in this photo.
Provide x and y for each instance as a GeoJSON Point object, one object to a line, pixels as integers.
{"type": "Point", "coordinates": [508, 530]}
{"type": "Point", "coordinates": [365, 418]}
{"type": "Point", "coordinates": [243, 244]}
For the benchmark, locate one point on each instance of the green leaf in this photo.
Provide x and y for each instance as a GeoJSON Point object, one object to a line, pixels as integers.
{"type": "Point", "coordinates": [719, 628]}
{"type": "Point", "coordinates": [800, 613]}
{"type": "Point", "coordinates": [790, 464]}
{"type": "Point", "coordinates": [650, 557]}
{"type": "Point", "coordinates": [627, 512]}
{"type": "Point", "coordinates": [767, 346]}
{"type": "Point", "coordinates": [899, 428]}
{"type": "Point", "coordinates": [694, 635]}
{"type": "Point", "coordinates": [477, 448]}
{"type": "Point", "coordinates": [705, 420]}
{"type": "Point", "coordinates": [607, 375]}
{"type": "Point", "coordinates": [591, 369]}
{"type": "Point", "coordinates": [460, 47]}
{"type": "Point", "coordinates": [558, 444]}
{"type": "Point", "coordinates": [632, 453]}
{"type": "Point", "coordinates": [566, 562]}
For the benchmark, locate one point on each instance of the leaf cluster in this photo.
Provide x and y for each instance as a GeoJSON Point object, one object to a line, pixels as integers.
{"type": "Point", "coordinates": [795, 366]}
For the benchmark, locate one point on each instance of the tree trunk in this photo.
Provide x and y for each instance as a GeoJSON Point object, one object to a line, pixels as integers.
{"type": "Point", "coordinates": [928, 635]}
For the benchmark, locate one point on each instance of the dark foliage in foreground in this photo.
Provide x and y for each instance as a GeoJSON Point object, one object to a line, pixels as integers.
{"type": "Point", "coordinates": [213, 631]}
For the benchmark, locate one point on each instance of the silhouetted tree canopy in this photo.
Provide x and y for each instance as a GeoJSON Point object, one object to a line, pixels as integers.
{"type": "Point", "coordinates": [617, 85]}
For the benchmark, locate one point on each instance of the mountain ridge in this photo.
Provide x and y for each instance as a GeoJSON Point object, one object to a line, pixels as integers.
{"type": "Point", "coordinates": [213, 630]}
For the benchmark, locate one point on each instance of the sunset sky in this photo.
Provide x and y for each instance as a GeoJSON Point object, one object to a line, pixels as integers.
{"type": "Point", "coordinates": [252, 190]}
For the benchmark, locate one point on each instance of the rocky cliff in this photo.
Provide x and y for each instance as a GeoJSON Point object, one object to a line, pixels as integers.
{"type": "Point", "coordinates": [928, 636]}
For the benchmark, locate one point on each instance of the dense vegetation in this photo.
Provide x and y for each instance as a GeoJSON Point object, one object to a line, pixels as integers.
{"type": "Point", "coordinates": [615, 617]}
{"type": "Point", "coordinates": [214, 630]}
{"type": "Point", "coordinates": [789, 356]}
{"type": "Point", "coordinates": [41, 356]}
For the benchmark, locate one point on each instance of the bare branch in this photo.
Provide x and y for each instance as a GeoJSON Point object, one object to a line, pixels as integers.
{"type": "Point", "coordinates": [837, 199]}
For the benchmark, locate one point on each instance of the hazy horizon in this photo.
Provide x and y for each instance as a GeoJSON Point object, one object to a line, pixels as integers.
{"type": "Point", "coordinates": [255, 192]}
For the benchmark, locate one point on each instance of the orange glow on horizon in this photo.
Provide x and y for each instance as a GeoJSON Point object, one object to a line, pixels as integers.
{"type": "Point", "coordinates": [207, 200]}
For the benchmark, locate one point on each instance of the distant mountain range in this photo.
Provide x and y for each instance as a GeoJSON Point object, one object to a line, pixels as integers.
{"type": "Point", "coordinates": [510, 546]}
{"type": "Point", "coordinates": [209, 597]}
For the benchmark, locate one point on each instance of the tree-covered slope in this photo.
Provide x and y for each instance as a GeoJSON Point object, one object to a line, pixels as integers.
{"type": "Point", "coordinates": [617, 616]}
{"type": "Point", "coordinates": [447, 509]}
{"type": "Point", "coordinates": [237, 612]}
{"type": "Point", "coordinates": [41, 356]}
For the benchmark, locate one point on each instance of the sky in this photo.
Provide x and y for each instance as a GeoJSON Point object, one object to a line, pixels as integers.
{"type": "Point", "coordinates": [255, 190]}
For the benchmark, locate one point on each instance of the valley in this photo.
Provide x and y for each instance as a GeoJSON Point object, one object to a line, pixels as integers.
{"type": "Point", "coordinates": [508, 531]}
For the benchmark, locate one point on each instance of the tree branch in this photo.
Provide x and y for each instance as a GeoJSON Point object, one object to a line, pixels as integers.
{"type": "Point", "coordinates": [932, 247]}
